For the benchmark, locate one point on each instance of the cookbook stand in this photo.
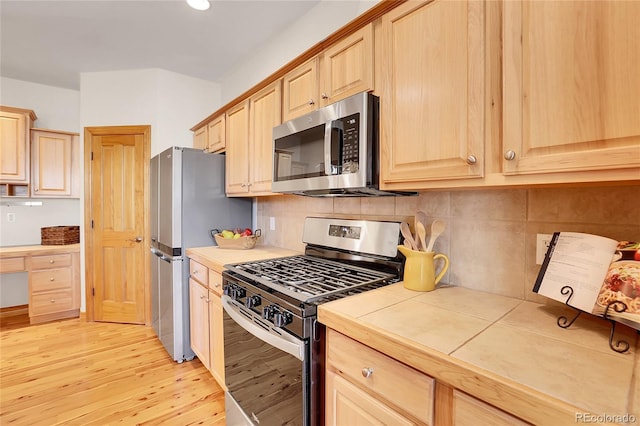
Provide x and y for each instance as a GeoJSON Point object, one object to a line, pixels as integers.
{"type": "Point", "coordinates": [621, 346]}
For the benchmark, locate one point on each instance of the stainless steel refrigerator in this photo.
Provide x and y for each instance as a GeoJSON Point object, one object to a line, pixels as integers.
{"type": "Point", "coordinates": [187, 201]}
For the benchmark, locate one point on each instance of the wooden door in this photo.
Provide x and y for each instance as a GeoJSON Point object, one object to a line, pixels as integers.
{"type": "Point", "coordinates": [200, 137]}
{"type": "Point", "coordinates": [347, 67]}
{"type": "Point", "coordinates": [116, 226]}
{"type": "Point", "coordinates": [54, 163]}
{"type": "Point", "coordinates": [237, 155]}
{"type": "Point", "coordinates": [431, 84]}
{"type": "Point", "coordinates": [265, 114]}
{"type": "Point", "coordinates": [347, 404]}
{"type": "Point", "coordinates": [14, 153]}
{"type": "Point", "coordinates": [300, 90]}
{"type": "Point", "coordinates": [571, 86]}
{"type": "Point", "coordinates": [216, 135]}
{"type": "Point", "coordinates": [199, 321]}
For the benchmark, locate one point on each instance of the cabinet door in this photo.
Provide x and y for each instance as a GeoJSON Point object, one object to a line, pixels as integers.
{"type": "Point", "coordinates": [237, 156]}
{"type": "Point", "coordinates": [432, 89]}
{"type": "Point", "coordinates": [199, 321]}
{"type": "Point", "coordinates": [265, 114]}
{"type": "Point", "coordinates": [347, 404]}
{"type": "Point", "coordinates": [347, 67]}
{"type": "Point", "coordinates": [14, 155]}
{"type": "Point", "coordinates": [216, 135]}
{"type": "Point", "coordinates": [216, 338]}
{"type": "Point", "coordinates": [300, 90]}
{"type": "Point", "coordinates": [571, 86]}
{"type": "Point", "coordinates": [54, 164]}
{"type": "Point", "coordinates": [200, 138]}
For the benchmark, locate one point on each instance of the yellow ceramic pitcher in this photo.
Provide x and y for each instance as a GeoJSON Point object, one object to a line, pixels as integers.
{"type": "Point", "coordinates": [419, 269]}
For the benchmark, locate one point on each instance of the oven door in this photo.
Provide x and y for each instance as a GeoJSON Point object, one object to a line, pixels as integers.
{"type": "Point", "coordinates": [266, 371]}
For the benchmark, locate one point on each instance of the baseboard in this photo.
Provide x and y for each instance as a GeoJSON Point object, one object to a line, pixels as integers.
{"type": "Point", "coordinates": [13, 311]}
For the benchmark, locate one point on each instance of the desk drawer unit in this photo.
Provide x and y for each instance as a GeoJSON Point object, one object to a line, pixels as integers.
{"type": "Point", "coordinates": [12, 264]}
{"type": "Point", "coordinates": [50, 261]}
{"type": "Point", "coordinates": [50, 302]}
{"type": "Point", "coordinates": [51, 279]}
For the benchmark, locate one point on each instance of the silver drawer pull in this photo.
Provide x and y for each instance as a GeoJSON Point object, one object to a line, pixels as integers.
{"type": "Point", "coordinates": [367, 372]}
{"type": "Point", "coordinates": [52, 279]}
{"type": "Point", "coordinates": [52, 301]}
{"type": "Point", "coordinates": [52, 261]}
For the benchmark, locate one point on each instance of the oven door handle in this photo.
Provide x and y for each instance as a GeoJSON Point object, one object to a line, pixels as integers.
{"type": "Point", "coordinates": [284, 341]}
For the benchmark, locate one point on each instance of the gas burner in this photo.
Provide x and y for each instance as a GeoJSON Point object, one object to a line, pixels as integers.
{"type": "Point", "coordinates": [307, 278]}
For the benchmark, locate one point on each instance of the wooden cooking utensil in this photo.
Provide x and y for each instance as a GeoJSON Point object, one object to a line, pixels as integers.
{"type": "Point", "coordinates": [406, 233]}
{"type": "Point", "coordinates": [407, 244]}
{"type": "Point", "coordinates": [437, 228]}
{"type": "Point", "coordinates": [422, 234]}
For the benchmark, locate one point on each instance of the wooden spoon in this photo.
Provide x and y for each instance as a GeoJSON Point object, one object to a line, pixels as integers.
{"type": "Point", "coordinates": [420, 217]}
{"type": "Point", "coordinates": [406, 233]}
{"type": "Point", "coordinates": [437, 228]}
{"type": "Point", "coordinates": [422, 234]}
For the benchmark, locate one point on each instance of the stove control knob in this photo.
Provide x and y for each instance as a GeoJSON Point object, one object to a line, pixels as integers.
{"type": "Point", "coordinates": [238, 293]}
{"type": "Point", "coordinates": [268, 312]}
{"type": "Point", "coordinates": [282, 318]}
{"type": "Point", "coordinates": [252, 301]}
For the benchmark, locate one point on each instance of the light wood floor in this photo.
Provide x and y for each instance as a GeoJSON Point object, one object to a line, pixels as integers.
{"type": "Point", "coordinates": [74, 372]}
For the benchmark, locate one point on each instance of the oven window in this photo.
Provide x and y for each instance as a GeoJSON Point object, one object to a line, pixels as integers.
{"type": "Point", "coordinates": [269, 385]}
{"type": "Point", "coordinates": [300, 155]}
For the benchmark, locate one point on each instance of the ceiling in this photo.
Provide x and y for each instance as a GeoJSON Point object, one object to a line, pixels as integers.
{"type": "Point", "coordinates": [52, 41]}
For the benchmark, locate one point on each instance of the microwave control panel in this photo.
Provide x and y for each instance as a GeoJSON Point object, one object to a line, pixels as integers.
{"type": "Point", "coordinates": [350, 143]}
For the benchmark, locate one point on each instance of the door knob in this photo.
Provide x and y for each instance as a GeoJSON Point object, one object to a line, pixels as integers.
{"type": "Point", "coordinates": [136, 239]}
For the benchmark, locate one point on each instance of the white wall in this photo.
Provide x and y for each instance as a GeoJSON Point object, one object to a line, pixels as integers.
{"type": "Point", "coordinates": [320, 22]}
{"type": "Point", "coordinates": [171, 103]}
{"type": "Point", "coordinates": [58, 109]}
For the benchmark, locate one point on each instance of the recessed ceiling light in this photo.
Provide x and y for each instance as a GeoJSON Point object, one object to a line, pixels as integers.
{"type": "Point", "coordinates": [199, 4]}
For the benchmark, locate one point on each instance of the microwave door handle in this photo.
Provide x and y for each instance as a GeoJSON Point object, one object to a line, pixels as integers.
{"type": "Point", "coordinates": [330, 147]}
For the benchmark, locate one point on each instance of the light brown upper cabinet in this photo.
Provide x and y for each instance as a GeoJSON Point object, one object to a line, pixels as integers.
{"type": "Point", "coordinates": [200, 139]}
{"type": "Point", "coordinates": [237, 155]}
{"type": "Point", "coordinates": [343, 69]}
{"type": "Point", "coordinates": [55, 163]}
{"type": "Point", "coordinates": [431, 79]}
{"type": "Point", "coordinates": [571, 86]}
{"type": "Point", "coordinates": [14, 149]}
{"type": "Point", "coordinates": [216, 135]}
{"type": "Point", "coordinates": [249, 142]}
{"type": "Point", "coordinates": [210, 137]}
{"type": "Point", "coordinates": [264, 114]}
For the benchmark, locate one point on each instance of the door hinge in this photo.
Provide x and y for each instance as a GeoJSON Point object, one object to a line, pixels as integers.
{"type": "Point", "coordinates": [91, 223]}
{"type": "Point", "coordinates": [93, 291]}
{"type": "Point", "coordinates": [91, 155]}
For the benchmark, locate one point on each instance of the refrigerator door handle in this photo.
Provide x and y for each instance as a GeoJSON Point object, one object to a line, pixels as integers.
{"type": "Point", "coordinates": [161, 255]}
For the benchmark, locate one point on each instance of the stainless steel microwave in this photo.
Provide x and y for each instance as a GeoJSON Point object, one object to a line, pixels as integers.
{"type": "Point", "coordinates": [333, 151]}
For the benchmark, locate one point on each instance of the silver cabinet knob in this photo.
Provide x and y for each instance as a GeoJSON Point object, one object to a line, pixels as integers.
{"type": "Point", "coordinates": [367, 372]}
{"type": "Point", "coordinates": [324, 96]}
{"type": "Point", "coordinates": [52, 301]}
{"type": "Point", "coordinates": [312, 102]}
{"type": "Point", "coordinates": [52, 261]}
{"type": "Point", "coordinates": [52, 279]}
{"type": "Point", "coordinates": [510, 155]}
{"type": "Point", "coordinates": [471, 160]}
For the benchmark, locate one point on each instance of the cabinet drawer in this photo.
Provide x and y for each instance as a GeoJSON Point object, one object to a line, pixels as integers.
{"type": "Point", "coordinates": [12, 264]}
{"type": "Point", "coordinates": [406, 388]}
{"type": "Point", "coordinates": [215, 282]}
{"type": "Point", "coordinates": [50, 261]}
{"type": "Point", "coordinates": [51, 279]}
{"type": "Point", "coordinates": [471, 411]}
{"type": "Point", "coordinates": [199, 272]}
{"type": "Point", "coordinates": [49, 303]}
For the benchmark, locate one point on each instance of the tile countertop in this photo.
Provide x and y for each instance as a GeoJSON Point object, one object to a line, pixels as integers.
{"type": "Point", "coordinates": [215, 258]}
{"type": "Point", "coordinates": [507, 352]}
{"type": "Point", "coordinates": [16, 251]}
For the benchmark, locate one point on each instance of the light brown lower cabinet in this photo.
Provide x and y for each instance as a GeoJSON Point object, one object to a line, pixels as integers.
{"type": "Point", "coordinates": [205, 318]}
{"type": "Point", "coordinates": [54, 287]}
{"type": "Point", "coordinates": [364, 386]}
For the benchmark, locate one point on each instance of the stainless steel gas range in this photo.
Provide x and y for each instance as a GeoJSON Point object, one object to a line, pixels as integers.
{"type": "Point", "coordinates": [274, 345]}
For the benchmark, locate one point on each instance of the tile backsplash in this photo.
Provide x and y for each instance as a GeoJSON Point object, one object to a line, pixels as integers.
{"type": "Point", "coordinates": [491, 234]}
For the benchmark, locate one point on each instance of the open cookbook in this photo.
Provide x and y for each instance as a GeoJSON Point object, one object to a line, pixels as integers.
{"type": "Point", "coordinates": [604, 275]}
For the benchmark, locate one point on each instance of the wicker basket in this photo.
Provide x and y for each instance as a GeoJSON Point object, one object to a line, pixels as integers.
{"type": "Point", "coordinates": [242, 243]}
{"type": "Point", "coordinates": [60, 235]}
